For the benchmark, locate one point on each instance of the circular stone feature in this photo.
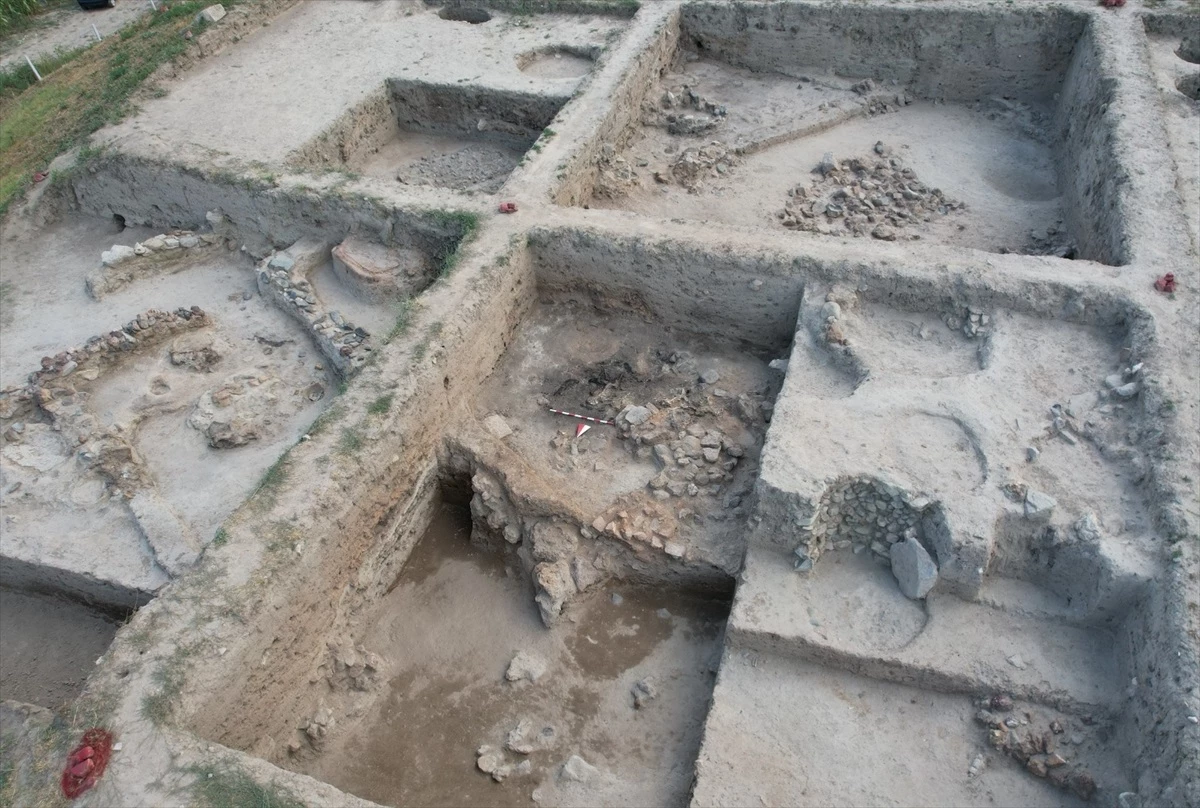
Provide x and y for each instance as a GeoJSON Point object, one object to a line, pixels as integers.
{"type": "Point", "coordinates": [475, 16]}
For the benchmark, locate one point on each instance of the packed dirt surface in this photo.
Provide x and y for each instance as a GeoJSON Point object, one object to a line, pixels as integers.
{"type": "Point", "coordinates": [68, 28]}
{"type": "Point", "coordinates": [622, 685]}
{"type": "Point", "coordinates": [774, 134]}
{"type": "Point", "coordinates": [50, 647]}
{"type": "Point", "coordinates": [691, 404]}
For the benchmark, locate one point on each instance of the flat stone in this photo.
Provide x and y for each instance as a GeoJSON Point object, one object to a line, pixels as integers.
{"type": "Point", "coordinates": [525, 666]}
{"type": "Point", "coordinates": [637, 415]}
{"type": "Point", "coordinates": [116, 255]}
{"type": "Point", "coordinates": [578, 770]}
{"type": "Point", "coordinates": [497, 427]}
{"type": "Point", "coordinates": [1038, 505]}
{"type": "Point", "coordinates": [914, 569]}
{"type": "Point", "coordinates": [213, 13]}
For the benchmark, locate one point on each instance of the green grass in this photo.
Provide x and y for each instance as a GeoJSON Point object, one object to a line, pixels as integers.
{"type": "Point", "coordinates": [381, 405]}
{"type": "Point", "coordinates": [224, 785]}
{"type": "Point", "coordinates": [405, 313]}
{"type": "Point", "coordinates": [221, 537]}
{"type": "Point", "coordinates": [159, 706]}
{"type": "Point", "coordinates": [351, 441]}
{"type": "Point", "coordinates": [275, 476]}
{"type": "Point", "coordinates": [460, 222]}
{"type": "Point", "coordinates": [15, 78]}
{"type": "Point", "coordinates": [85, 91]}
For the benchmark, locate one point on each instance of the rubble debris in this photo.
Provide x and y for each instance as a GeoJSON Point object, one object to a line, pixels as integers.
{"type": "Point", "coordinates": [682, 111]}
{"type": "Point", "coordinates": [695, 164]}
{"type": "Point", "coordinates": [877, 196]}
{"type": "Point", "coordinates": [120, 265]}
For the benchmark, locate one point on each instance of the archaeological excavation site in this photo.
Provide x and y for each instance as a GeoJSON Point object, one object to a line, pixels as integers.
{"type": "Point", "coordinates": [614, 403]}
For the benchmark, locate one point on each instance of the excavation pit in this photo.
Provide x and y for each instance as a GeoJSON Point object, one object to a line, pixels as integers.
{"type": "Point", "coordinates": [870, 123]}
{"type": "Point", "coordinates": [51, 645]}
{"type": "Point", "coordinates": [462, 137]}
{"type": "Point", "coordinates": [448, 688]}
{"type": "Point", "coordinates": [557, 62]}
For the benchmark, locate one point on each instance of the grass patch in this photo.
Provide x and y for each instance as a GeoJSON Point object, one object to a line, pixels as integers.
{"type": "Point", "coordinates": [406, 311]}
{"type": "Point", "coordinates": [85, 92]}
{"type": "Point", "coordinates": [224, 785]}
{"type": "Point", "coordinates": [159, 706]}
{"type": "Point", "coordinates": [351, 441]}
{"type": "Point", "coordinates": [465, 224]}
{"type": "Point", "coordinates": [221, 537]}
{"type": "Point", "coordinates": [380, 405]}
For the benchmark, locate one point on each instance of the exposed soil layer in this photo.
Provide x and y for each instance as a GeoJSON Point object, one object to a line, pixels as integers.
{"type": "Point", "coordinates": [994, 155]}
{"type": "Point", "coordinates": [448, 630]}
{"type": "Point", "coordinates": [48, 647]}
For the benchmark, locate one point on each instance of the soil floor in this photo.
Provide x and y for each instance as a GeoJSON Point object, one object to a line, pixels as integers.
{"type": "Point", "coordinates": [993, 156]}
{"type": "Point", "coordinates": [48, 646]}
{"type": "Point", "coordinates": [448, 630]}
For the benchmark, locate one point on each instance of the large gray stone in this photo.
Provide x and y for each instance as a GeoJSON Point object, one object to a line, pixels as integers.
{"type": "Point", "coordinates": [1038, 506]}
{"type": "Point", "coordinates": [914, 569]}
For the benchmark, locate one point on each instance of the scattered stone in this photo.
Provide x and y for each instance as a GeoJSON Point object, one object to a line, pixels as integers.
{"type": "Point", "coordinates": [496, 426]}
{"type": "Point", "coordinates": [117, 254]}
{"type": "Point", "coordinates": [488, 759]}
{"type": "Point", "coordinates": [1016, 661]}
{"type": "Point", "coordinates": [212, 14]}
{"type": "Point", "coordinates": [1001, 702]}
{"type": "Point", "coordinates": [977, 766]}
{"type": "Point", "coordinates": [644, 691]}
{"type": "Point", "coordinates": [578, 770]}
{"type": "Point", "coordinates": [617, 599]}
{"type": "Point", "coordinates": [1126, 390]}
{"type": "Point", "coordinates": [1038, 505]}
{"type": "Point", "coordinates": [525, 666]}
{"type": "Point", "coordinates": [710, 376]}
{"type": "Point", "coordinates": [637, 415]}
{"type": "Point", "coordinates": [915, 571]}
{"type": "Point", "coordinates": [1031, 453]}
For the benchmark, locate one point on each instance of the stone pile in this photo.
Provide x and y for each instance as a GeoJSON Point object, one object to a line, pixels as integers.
{"type": "Point", "coordinates": [695, 164]}
{"type": "Point", "coordinates": [876, 196]}
{"type": "Point", "coordinates": [682, 111]}
{"type": "Point", "coordinates": [121, 265]}
{"type": "Point", "coordinates": [860, 514]}
{"type": "Point", "coordinates": [615, 176]}
{"type": "Point", "coordinates": [1041, 751]}
{"type": "Point", "coordinates": [345, 345]}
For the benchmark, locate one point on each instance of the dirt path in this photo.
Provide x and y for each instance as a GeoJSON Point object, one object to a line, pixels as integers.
{"type": "Point", "coordinates": [68, 28]}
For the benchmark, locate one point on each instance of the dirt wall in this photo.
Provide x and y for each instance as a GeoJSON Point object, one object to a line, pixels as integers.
{"type": "Point", "coordinates": [951, 54]}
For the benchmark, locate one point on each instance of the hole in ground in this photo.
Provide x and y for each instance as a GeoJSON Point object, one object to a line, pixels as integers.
{"type": "Point", "coordinates": [474, 16]}
{"type": "Point", "coordinates": [49, 645]}
{"type": "Point", "coordinates": [1189, 50]}
{"type": "Point", "coordinates": [446, 632]}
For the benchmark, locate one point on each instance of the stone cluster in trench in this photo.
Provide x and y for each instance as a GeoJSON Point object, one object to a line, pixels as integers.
{"type": "Point", "coordinates": [875, 195]}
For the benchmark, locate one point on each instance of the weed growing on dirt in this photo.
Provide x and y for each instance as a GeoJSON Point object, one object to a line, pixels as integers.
{"type": "Point", "coordinates": [380, 405]}
{"type": "Point", "coordinates": [274, 477]}
{"type": "Point", "coordinates": [221, 537]}
{"type": "Point", "coordinates": [324, 420]}
{"type": "Point", "coordinates": [351, 441]}
{"type": "Point", "coordinates": [405, 311]}
{"type": "Point", "coordinates": [159, 706]}
{"type": "Point", "coordinates": [224, 785]}
{"type": "Point", "coordinates": [465, 224]}
{"type": "Point", "coordinates": [84, 92]}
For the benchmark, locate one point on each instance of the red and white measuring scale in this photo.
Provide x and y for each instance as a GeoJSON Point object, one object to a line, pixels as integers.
{"type": "Point", "coordinates": [581, 428]}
